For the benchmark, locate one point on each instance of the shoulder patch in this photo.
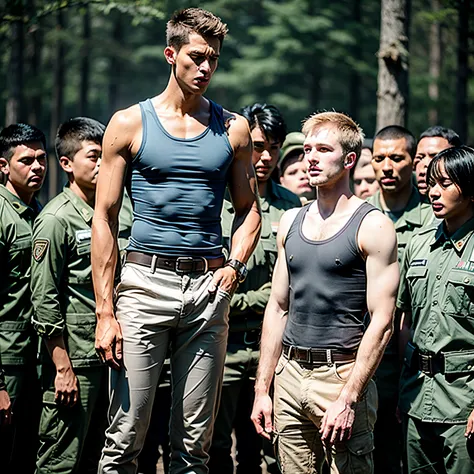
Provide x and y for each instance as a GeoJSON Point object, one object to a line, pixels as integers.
{"type": "Point", "coordinates": [39, 249]}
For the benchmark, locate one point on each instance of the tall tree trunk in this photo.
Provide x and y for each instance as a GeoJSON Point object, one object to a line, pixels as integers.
{"type": "Point", "coordinates": [461, 110]}
{"type": "Point", "coordinates": [392, 94]}
{"type": "Point", "coordinates": [34, 48]}
{"type": "Point", "coordinates": [354, 77]}
{"type": "Point", "coordinates": [435, 65]}
{"type": "Point", "coordinates": [85, 62]}
{"type": "Point", "coordinates": [115, 64]}
{"type": "Point", "coordinates": [15, 106]}
{"type": "Point", "coordinates": [57, 104]}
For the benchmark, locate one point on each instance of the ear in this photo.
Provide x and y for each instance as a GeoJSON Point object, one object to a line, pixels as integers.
{"type": "Point", "coordinates": [4, 166]}
{"type": "Point", "coordinates": [170, 55]}
{"type": "Point", "coordinates": [350, 160]}
{"type": "Point", "coordinates": [65, 163]}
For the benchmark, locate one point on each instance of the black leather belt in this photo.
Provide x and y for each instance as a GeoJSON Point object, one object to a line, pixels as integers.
{"type": "Point", "coordinates": [430, 364]}
{"type": "Point", "coordinates": [309, 355]}
{"type": "Point", "coordinates": [180, 265]}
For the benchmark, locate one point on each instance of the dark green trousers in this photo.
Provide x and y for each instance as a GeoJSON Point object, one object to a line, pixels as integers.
{"type": "Point", "coordinates": [72, 438]}
{"type": "Point", "coordinates": [437, 448]}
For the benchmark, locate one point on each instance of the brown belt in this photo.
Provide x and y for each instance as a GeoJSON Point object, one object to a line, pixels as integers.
{"type": "Point", "coordinates": [309, 355]}
{"type": "Point", "coordinates": [180, 265]}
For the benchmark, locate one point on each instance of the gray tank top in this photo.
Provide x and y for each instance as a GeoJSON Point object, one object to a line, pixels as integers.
{"type": "Point", "coordinates": [177, 188]}
{"type": "Point", "coordinates": [327, 286]}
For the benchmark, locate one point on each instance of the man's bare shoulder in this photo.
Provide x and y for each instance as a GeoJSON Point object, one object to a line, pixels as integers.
{"type": "Point", "coordinates": [286, 221]}
{"type": "Point", "coordinates": [377, 233]}
{"type": "Point", "coordinates": [237, 126]}
{"type": "Point", "coordinates": [127, 118]}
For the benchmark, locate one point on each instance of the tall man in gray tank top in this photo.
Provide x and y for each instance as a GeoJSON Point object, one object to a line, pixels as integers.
{"type": "Point", "coordinates": [180, 151]}
{"type": "Point", "coordinates": [337, 259]}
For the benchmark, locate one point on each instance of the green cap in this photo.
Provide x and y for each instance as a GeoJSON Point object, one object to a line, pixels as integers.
{"type": "Point", "coordinates": [293, 141]}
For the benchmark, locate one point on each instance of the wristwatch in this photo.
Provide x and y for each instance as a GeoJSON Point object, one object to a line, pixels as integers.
{"type": "Point", "coordinates": [239, 267]}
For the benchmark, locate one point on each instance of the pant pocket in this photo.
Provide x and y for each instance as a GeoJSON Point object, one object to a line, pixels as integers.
{"type": "Point", "coordinates": [359, 450]}
{"type": "Point", "coordinates": [49, 422]}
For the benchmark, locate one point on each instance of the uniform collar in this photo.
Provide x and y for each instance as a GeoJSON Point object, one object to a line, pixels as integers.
{"type": "Point", "coordinates": [81, 206]}
{"type": "Point", "coordinates": [17, 204]}
{"type": "Point", "coordinates": [412, 212]}
{"type": "Point", "coordinates": [273, 194]}
{"type": "Point", "coordinates": [459, 239]}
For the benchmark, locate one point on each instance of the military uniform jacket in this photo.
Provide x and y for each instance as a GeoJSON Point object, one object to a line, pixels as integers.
{"type": "Point", "coordinates": [18, 341]}
{"type": "Point", "coordinates": [417, 214]}
{"type": "Point", "coordinates": [437, 286]}
{"type": "Point", "coordinates": [251, 297]}
{"type": "Point", "coordinates": [61, 277]}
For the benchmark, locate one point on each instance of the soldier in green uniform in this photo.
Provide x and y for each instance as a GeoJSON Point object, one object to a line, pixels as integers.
{"type": "Point", "coordinates": [74, 381]}
{"type": "Point", "coordinates": [394, 149]}
{"type": "Point", "coordinates": [436, 296]}
{"type": "Point", "coordinates": [268, 132]}
{"type": "Point", "coordinates": [23, 162]}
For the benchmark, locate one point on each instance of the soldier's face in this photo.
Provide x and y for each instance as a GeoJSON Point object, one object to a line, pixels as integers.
{"type": "Point", "coordinates": [26, 169]}
{"type": "Point", "coordinates": [392, 164]}
{"type": "Point", "coordinates": [265, 154]}
{"type": "Point", "coordinates": [426, 150]}
{"type": "Point", "coordinates": [365, 184]}
{"type": "Point", "coordinates": [85, 165]}
{"type": "Point", "coordinates": [447, 200]}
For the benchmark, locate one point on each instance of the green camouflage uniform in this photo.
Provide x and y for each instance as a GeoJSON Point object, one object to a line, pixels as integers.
{"type": "Point", "coordinates": [245, 321]}
{"type": "Point", "coordinates": [387, 433]}
{"type": "Point", "coordinates": [437, 384]}
{"type": "Point", "coordinates": [18, 341]}
{"type": "Point", "coordinates": [71, 438]}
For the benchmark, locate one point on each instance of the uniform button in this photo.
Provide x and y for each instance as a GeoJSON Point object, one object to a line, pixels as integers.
{"type": "Point", "coordinates": [435, 303]}
{"type": "Point", "coordinates": [469, 366]}
{"type": "Point", "coordinates": [438, 277]}
{"type": "Point", "coordinates": [467, 280]}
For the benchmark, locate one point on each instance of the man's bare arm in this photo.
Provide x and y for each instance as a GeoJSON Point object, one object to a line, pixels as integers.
{"type": "Point", "coordinates": [117, 148]}
{"type": "Point", "coordinates": [243, 191]}
{"type": "Point", "coordinates": [274, 323]}
{"type": "Point", "coordinates": [377, 240]}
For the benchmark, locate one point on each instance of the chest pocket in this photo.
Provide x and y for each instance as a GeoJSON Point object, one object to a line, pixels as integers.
{"type": "Point", "coordinates": [459, 296]}
{"type": "Point", "coordinates": [417, 279]}
{"type": "Point", "coordinates": [21, 255]}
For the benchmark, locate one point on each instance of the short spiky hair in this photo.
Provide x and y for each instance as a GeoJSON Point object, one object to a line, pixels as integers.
{"type": "Point", "coordinates": [73, 132]}
{"type": "Point", "coordinates": [19, 134]}
{"type": "Point", "coordinates": [350, 133]}
{"type": "Point", "coordinates": [193, 20]}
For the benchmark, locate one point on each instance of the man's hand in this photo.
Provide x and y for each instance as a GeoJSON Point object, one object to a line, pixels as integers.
{"type": "Point", "coordinates": [66, 387]}
{"type": "Point", "coordinates": [108, 341]}
{"type": "Point", "coordinates": [224, 278]}
{"type": "Point", "coordinates": [262, 415]}
{"type": "Point", "coordinates": [470, 425]}
{"type": "Point", "coordinates": [5, 408]}
{"type": "Point", "coordinates": [338, 419]}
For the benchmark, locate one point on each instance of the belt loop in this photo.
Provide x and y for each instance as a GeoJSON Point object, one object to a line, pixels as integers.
{"type": "Point", "coordinates": [329, 357]}
{"type": "Point", "coordinates": [153, 264]}
{"type": "Point", "coordinates": [290, 349]}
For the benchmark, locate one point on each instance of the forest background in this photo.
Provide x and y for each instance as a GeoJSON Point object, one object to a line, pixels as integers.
{"type": "Point", "coordinates": [66, 58]}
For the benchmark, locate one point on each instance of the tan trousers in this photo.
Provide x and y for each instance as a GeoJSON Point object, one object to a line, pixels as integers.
{"type": "Point", "coordinates": [302, 395]}
{"type": "Point", "coordinates": [156, 311]}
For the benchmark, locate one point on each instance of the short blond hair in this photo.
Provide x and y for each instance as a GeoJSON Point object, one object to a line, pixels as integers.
{"type": "Point", "coordinates": [350, 133]}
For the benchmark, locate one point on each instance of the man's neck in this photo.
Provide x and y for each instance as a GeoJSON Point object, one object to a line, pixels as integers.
{"type": "Point", "coordinates": [175, 98]}
{"type": "Point", "coordinates": [87, 195]}
{"type": "Point", "coordinates": [395, 202]}
{"type": "Point", "coordinates": [23, 196]}
{"type": "Point", "coordinates": [333, 198]}
{"type": "Point", "coordinates": [263, 188]}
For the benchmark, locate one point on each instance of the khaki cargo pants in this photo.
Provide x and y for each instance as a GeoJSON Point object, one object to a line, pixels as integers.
{"type": "Point", "coordinates": [302, 395]}
{"type": "Point", "coordinates": [156, 311]}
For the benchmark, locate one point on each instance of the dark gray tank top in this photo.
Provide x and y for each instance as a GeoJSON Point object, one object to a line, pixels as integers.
{"type": "Point", "coordinates": [177, 188]}
{"type": "Point", "coordinates": [327, 286]}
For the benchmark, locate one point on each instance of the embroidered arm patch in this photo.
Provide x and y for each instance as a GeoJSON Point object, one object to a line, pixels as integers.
{"type": "Point", "coordinates": [39, 249]}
